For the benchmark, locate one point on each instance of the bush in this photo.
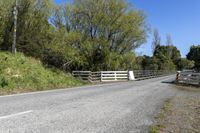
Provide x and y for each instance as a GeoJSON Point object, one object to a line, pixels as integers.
{"type": "Point", "coordinates": [20, 73]}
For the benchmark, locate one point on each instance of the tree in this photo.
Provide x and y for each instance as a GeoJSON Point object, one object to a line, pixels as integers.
{"type": "Point", "coordinates": [82, 35]}
{"type": "Point", "coordinates": [169, 43]}
{"type": "Point", "coordinates": [6, 23]}
{"type": "Point", "coordinates": [169, 40]}
{"type": "Point", "coordinates": [156, 40]}
{"type": "Point", "coordinates": [175, 54]}
{"type": "Point", "coordinates": [185, 64]}
{"type": "Point", "coordinates": [146, 62]}
{"type": "Point", "coordinates": [109, 29]}
{"type": "Point", "coordinates": [32, 29]}
{"type": "Point", "coordinates": [166, 61]}
{"type": "Point", "coordinates": [194, 55]}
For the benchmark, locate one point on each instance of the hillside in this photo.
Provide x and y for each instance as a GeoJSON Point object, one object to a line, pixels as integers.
{"type": "Point", "coordinates": [24, 74]}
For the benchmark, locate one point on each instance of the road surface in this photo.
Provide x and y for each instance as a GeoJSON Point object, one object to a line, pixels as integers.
{"type": "Point", "coordinates": [127, 107]}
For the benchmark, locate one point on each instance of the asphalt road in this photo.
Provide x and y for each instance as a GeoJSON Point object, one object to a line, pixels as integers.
{"type": "Point", "coordinates": [127, 107]}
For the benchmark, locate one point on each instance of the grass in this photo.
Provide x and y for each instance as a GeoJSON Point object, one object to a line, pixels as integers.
{"type": "Point", "coordinates": [24, 74]}
{"type": "Point", "coordinates": [181, 113]}
{"type": "Point", "coordinates": [161, 116]}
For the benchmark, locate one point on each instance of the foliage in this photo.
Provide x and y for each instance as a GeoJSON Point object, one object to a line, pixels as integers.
{"type": "Point", "coordinates": [19, 74]}
{"type": "Point", "coordinates": [162, 59]}
{"type": "Point", "coordinates": [168, 59]}
{"type": "Point", "coordinates": [108, 30]}
{"type": "Point", "coordinates": [158, 126]}
{"type": "Point", "coordinates": [156, 40]}
{"type": "Point", "coordinates": [194, 55]}
{"type": "Point", "coordinates": [145, 62]}
{"type": "Point", "coordinates": [84, 35]}
{"type": "Point", "coordinates": [33, 26]}
{"type": "Point", "coordinates": [183, 63]}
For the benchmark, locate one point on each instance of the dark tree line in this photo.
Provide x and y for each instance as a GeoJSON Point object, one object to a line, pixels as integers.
{"type": "Point", "coordinates": [165, 57]}
{"type": "Point", "coordinates": [194, 55]}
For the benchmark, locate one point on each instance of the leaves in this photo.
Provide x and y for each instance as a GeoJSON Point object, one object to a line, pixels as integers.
{"type": "Point", "coordinates": [85, 35]}
{"type": "Point", "coordinates": [194, 55]}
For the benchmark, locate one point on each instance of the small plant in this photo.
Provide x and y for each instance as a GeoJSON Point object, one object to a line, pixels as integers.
{"type": "Point", "coordinates": [157, 128]}
{"type": "Point", "coordinates": [154, 129]}
{"type": "Point", "coordinates": [160, 117]}
{"type": "Point", "coordinates": [4, 83]}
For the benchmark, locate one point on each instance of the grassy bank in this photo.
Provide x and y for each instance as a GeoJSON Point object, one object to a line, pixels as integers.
{"type": "Point", "coordinates": [24, 74]}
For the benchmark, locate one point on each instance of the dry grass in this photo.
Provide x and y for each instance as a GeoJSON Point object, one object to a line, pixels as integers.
{"type": "Point", "coordinates": [181, 114]}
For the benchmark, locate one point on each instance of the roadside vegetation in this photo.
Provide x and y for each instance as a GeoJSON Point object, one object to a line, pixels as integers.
{"type": "Point", "coordinates": [161, 116]}
{"type": "Point", "coordinates": [24, 74]}
{"type": "Point", "coordinates": [180, 113]}
{"type": "Point", "coordinates": [86, 35]}
{"type": "Point", "coordinates": [89, 35]}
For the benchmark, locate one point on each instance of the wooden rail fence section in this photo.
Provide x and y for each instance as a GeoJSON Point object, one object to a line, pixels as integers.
{"type": "Point", "coordinates": [188, 78]}
{"type": "Point", "coordinates": [146, 74]}
{"type": "Point", "coordinates": [109, 76]}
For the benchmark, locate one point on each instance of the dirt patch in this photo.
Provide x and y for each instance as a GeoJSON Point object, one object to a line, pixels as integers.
{"type": "Point", "coordinates": [181, 114]}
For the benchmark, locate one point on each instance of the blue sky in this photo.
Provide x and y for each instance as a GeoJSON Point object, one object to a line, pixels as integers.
{"type": "Point", "coordinates": [179, 18]}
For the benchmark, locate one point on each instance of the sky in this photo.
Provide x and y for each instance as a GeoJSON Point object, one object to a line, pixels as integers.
{"type": "Point", "coordinates": [179, 18]}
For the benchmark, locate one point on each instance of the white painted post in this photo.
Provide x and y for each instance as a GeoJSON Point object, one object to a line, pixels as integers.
{"type": "Point", "coordinates": [131, 75]}
{"type": "Point", "coordinates": [101, 77]}
{"type": "Point", "coordinates": [115, 76]}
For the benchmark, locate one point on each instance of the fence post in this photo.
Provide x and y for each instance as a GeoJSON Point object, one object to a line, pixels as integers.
{"type": "Point", "coordinates": [131, 75]}
{"type": "Point", "coordinates": [199, 80]}
{"type": "Point", "coordinates": [177, 76]}
{"type": "Point", "coordinates": [90, 76]}
{"type": "Point", "coordinates": [115, 76]}
{"type": "Point", "coordinates": [101, 76]}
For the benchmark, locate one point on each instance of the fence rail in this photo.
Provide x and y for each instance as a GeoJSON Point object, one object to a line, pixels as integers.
{"type": "Point", "coordinates": [189, 78]}
{"type": "Point", "coordinates": [146, 74]}
{"type": "Point", "coordinates": [85, 75]}
{"type": "Point", "coordinates": [107, 76]}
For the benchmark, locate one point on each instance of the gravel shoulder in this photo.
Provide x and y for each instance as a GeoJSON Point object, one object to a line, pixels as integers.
{"type": "Point", "coordinates": [181, 113]}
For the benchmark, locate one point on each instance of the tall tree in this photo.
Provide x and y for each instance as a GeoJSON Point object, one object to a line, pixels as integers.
{"type": "Point", "coordinates": [185, 64]}
{"type": "Point", "coordinates": [169, 40]}
{"type": "Point", "coordinates": [162, 53]}
{"type": "Point", "coordinates": [169, 43]}
{"type": "Point", "coordinates": [84, 34]}
{"type": "Point", "coordinates": [32, 27]}
{"type": "Point", "coordinates": [6, 23]}
{"type": "Point", "coordinates": [156, 40]}
{"type": "Point", "coordinates": [194, 55]}
{"type": "Point", "coordinates": [106, 28]}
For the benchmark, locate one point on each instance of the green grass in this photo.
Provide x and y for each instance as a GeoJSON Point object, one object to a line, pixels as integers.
{"type": "Point", "coordinates": [156, 128]}
{"type": "Point", "coordinates": [24, 74]}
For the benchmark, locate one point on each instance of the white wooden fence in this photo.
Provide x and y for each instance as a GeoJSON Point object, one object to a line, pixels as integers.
{"type": "Point", "coordinates": [102, 76]}
{"type": "Point", "coordinates": [109, 76]}
{"type": "Point", "coordinates": [189, 78]}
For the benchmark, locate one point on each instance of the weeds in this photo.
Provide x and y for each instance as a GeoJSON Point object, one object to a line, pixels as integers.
{"type": "Point", "coordinates": [21, 74]}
